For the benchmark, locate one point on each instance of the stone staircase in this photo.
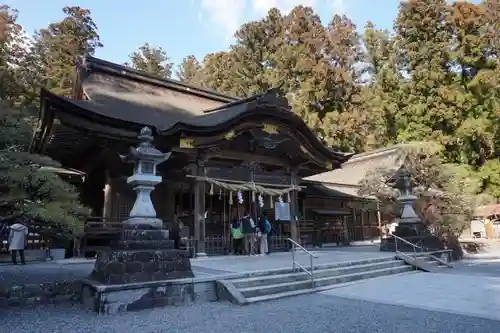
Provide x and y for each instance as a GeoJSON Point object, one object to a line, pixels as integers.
{"type": "Point", "coordinates": [285, 283]}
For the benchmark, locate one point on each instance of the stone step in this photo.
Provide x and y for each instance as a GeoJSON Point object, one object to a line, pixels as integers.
{"type": "Point", "coordinates": [434, 262]}
{"type": "Point", "coordinates": [280, 271]}
{"type": "Point", "coordinates": [318, 273]}
{"type": "Point", "coordinates": [299, 292]}
{"type": "Point", "coordinates": [276, 288]}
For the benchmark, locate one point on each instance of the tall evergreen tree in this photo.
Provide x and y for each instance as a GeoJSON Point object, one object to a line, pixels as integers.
{"type": "Point", "coordinates": [58, 46]}
{"type": "Point", "coordinates": [189, 71]}
{"type": "Point", "coordinates": [217, 73]}
{"type": "Point", "coordinates": [383, 95]}
{"type": "Point", "coordinates": [346, 123]}
{"type": "Point", "coordinates": [152, 60]}
{"type": "Point", "coordinates": [12, 56]}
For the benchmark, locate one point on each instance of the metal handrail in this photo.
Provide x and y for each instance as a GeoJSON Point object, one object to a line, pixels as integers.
{"type": "Point", "coordinates": [422, 249]}
{"type": "Point", "coordinates": [408, 242]}
{"type": "Point", "coordinates": [296, 264]}
{"type": "Point", "coordinates": [415, 247]}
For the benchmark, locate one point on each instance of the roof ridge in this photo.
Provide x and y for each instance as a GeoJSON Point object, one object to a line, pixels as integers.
{"type": "Point", "coordinates": [89, 63]}
{"type": "Point", "coordinates": [372, 154]}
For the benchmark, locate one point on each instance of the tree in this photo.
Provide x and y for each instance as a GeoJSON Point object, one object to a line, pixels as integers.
{"type": "Point", "coordinates": [447, 193]}
{"type": "Point", "coordinates": [189, 71]}
{"type": "Point", "coordinates": [56, 48]}
{"type": "Point", "coordinates": [383, 95]}
{"type": "Point", "coordinates": [27, 190]}
{"type": "Point", "coordinates": [347, 124]}
{"type": "Point", "coordinates": [12, 56]}
{"type": "Point", "coordinates": [217, 73]}
{"type": "Point", "coordinates": [152, 60]}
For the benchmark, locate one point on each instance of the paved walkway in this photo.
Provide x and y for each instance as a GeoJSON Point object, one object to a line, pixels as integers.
{"type": "Point", "coordinates": [284, 259]}
{"type": "Point", "coordinates": [70, 270]}
{"type": "Point", "coordinates": [465, 294]}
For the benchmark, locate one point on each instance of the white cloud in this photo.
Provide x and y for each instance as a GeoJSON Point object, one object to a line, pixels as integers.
{"type": "Point", "coordinates": [339, 6]}
{"type": "Point", "coordinates": [227, 15]}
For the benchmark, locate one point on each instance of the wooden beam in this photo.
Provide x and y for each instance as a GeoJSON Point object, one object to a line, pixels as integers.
{"type": "Point", "coordinates": [232, 155]}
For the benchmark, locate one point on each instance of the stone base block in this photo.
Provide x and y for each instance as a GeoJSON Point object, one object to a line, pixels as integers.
{"type": "Point", "coordinates": [135, 239]}
{"type": "Point", "coordinates": [115, 299]}
{"type": "Point", "coordinates": [143, 223]}
{"type": "Point", "coordinates": [122, 266]}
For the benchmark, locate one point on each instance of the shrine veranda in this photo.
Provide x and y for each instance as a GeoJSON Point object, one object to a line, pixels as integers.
{"type": "Point", "coordinates": [227, 155]}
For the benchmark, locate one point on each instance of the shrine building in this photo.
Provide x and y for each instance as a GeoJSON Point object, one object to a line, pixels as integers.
{"type": "Point", "coordinates": [228, 155]}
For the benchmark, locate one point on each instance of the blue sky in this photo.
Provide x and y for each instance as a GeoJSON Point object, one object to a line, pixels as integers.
{"type": "Point", "coordinates": [184, 27]}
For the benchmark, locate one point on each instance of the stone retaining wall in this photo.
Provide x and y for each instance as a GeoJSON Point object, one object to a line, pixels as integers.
{"type": "Point", "coordinates": [123, 298]}
{"type": "Point", "coordinates": [38, 294]}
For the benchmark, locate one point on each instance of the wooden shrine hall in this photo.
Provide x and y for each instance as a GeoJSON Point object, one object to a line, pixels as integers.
{"type": "Point", "coordinates": [228, 155]}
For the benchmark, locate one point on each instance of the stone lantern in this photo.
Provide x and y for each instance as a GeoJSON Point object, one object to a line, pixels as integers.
{"type": "Point", "coordinates": [143, 252]}
{"type": "Point", "coordinates": [144, 179]}
{"type": "Point", "coordinates": [406, 198]}
{"type": "Point", "coordinates": [410, 227]}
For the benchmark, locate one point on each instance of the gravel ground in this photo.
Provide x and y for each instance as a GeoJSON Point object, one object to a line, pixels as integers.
{"type": "Point", "coordinates": [311, 313]}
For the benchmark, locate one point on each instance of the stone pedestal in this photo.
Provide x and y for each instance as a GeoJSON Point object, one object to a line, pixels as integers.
{"type": "Point", "coordinates": [141, 256]}
{"type": "Point", "coordinates": [144, 254]}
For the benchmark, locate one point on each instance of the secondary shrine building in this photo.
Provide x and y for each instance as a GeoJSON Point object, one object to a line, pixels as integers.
{"type": "Point", "coordinates": [228, 155]}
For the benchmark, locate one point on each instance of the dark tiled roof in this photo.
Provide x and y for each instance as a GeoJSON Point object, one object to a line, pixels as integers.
{"type": "Point", "coordinates": [118, 94]}
{"type": "Point", "coordinates": [89, 66]}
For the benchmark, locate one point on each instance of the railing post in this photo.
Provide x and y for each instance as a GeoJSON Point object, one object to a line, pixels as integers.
{"type": "Point", "coordinates": [312, 272]}
{"type": "Point", "coordinates": [293, 255]}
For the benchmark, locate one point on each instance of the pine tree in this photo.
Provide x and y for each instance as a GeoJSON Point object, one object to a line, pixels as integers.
{"type": "Point", "coordinates": [346, 123]}
{"type": "Point", "coordinates": [189, 71]}
{"type": "Point", "coordinates": [27, 189]}
{"type": "Point", "coordinates": [152, 60]}
{"type": "Point", "coordinates": [12, 56]}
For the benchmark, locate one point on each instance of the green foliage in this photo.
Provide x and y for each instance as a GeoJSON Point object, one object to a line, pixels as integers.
{"type": "Point", "coordinates": [447, 193]}
{"type": "Point", "coordinates": [152, 60]}
{"type": "Point", "coordinates": [55, 49]}
{"type": "Point", "coordinates": [30, 191]}
{"type": "Point", "coordinates": [189, 71]}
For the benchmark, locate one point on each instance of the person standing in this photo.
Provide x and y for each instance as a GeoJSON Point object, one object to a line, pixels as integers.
{"type": "Point", "coordinates": [272, 231]}
{"type": "Point", "coordinates": [265, 230]}
{"type": "Point", "coordinates": [18, 234]}
{"type": "Point", "coordinates": [248, 226]}
{"type": "Point", "coordinates": [237, 236]}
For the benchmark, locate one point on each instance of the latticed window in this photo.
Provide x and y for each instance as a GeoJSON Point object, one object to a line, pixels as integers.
{"type": "Point", "coordinates": [147, 168]}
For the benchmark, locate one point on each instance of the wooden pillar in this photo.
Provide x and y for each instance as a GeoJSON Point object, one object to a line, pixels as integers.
{"type": "Point", "coordinates": [362, 222]}
{"type": "Point", "coordinates": [199, 211]}
{"type": "Point", "coordinates": [379, 220]}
